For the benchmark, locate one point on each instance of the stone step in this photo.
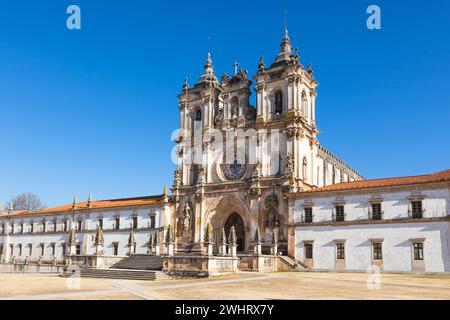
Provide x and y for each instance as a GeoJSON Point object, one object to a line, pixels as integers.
{"type": "Point", "coordinates": [140, 262]}
{"type": "Point", "coordinates": [118, 274]}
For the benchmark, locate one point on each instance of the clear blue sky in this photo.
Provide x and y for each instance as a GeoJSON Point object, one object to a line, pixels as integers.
{"type": "Point", "coordinates": [92, 111]}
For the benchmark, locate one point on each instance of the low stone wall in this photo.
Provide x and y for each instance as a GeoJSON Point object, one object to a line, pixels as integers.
{"type": "Point", "coordinates": [102, 262]}
{"type": "Point", "coordinates": [199, 266]}
{"type": "Point", "coordinates": [258, 263]}
{"type": "Point", "coordinates": [31, 268]}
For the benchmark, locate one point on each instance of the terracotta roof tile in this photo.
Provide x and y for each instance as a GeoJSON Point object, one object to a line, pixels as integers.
{"type": "Point", "coordinates": [101, 204]}
{"type": "Point", "coordinates": [387, 182]}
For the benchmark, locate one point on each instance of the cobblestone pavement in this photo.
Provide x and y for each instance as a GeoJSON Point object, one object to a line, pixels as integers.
{"type": "Point", "coordinates": [298, 285]}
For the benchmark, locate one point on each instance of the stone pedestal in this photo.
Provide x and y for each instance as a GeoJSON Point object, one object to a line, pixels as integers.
{"type": "Point", "coordinates": [223, 250]}
{"type": "Point", "coordinates": [199, 265]}
{"type": "Point", "coordinates": [274, 250]}
{"type": "Point", "coordinates": [232, 250]}
{"type": "Point", "coordinates": [208, 249]}
{"type": "Point", "coordinates": [170, 249]}
{"type": "Point", "coordinates": [258, 249]}
{"type": "Point", "coordinates": [157, 250]}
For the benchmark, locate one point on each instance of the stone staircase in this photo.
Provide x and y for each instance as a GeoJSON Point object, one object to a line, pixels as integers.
{"type": "Point", "coordinates": [125, 274]}
{"type": "Point", "coordinates": [140, 262]}
{"type": "Point", "coordinates": [292, 263]}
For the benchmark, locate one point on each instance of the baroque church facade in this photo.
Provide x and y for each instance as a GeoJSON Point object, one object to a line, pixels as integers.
{"type": "Point", "coordinates": [279, 133]}
{"type": "Point", "coordinates": [253, 189]}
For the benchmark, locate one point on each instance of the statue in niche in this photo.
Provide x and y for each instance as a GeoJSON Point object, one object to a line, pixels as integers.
{"type": "Point", "coordinates": [272, 203]}
{"type": "Point", "coordinates": [187, 216]}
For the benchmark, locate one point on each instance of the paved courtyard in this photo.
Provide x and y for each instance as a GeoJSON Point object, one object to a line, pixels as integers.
{"type": "Point", "coordinates": [237, 286]}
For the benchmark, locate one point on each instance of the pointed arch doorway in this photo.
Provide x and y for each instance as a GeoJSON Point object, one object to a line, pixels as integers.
{"type": "Point", "coordinates": [235, 220]}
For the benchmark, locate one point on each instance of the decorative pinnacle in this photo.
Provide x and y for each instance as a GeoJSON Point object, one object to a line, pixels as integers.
{"type": "Point", "coordinates": [11, 206]}
{"type": "Point", "coordinates": [74, 203]}
{"type": "Point", "coordinates": [185, 84]}
{"type": "Point", "coordinates": [274, 238]}
{"type": "Point", "coordinates": [232, 237]}
{"type": "Point", "coordinates": [223, 237]}
{"type": "Point", "coordinates": [165, 192]}
{"type": "Point", "coordinates": [169, 235]}
{"type": "Point", "coordinates": [257, 236]}
{"type": "Point", "coordinates": [72, 236]}
{"type": "Point", "coordinates": [208, 234]}
{"type": "Point", "coordinates": [131, 239]}
{"type": "Point", "coordinates": [89, 202]}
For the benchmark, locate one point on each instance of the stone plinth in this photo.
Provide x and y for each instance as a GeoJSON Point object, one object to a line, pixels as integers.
{"type": "Point", "coordinates": [258, 263]}
{"type": "Point", "coordinates": [199, 266]}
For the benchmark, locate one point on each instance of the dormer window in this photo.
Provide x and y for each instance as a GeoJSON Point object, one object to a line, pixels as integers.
{"type": "Point", "coordinates": [278, 102]}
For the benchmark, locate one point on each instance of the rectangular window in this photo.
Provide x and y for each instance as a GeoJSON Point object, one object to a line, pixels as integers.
{"type": "Point", "coordinates": [308, 215]}
{"type": "Point", "coordinates": [53, 246]}
{"type": "Point", "coordinates": [79, 224]}
{"type": "Point", "coordinates": [21, 228]}
{"type": "Point", "coordinates": [1, 250]}
{"type": "Point", "coordinates": [100, 223]}
{"type": "Point", "coordinates": [117, 223]}
{"type": "Point", "coordinates": [12, 249]}
{"type": "Point", "coordinates": [55, 226]}
{"type": "Point", "coordinates": [416, 209]}
{"type": "Point", "coordinates": [78, 249]}
{"type": "Point", "coordinates": [42, 249]}
{"type": "Point", "coordinates": [12, 228]}
{"type": "Point", "coordinates": [20, 250]}
{"type": "Point", "coordinates": [376, 211]}
{"type": "Point", "coordinates": [44, 225]}
{"type": "Point", "coordinates": [340, 247]}
{"type": "Point", "coordinates": [2, 228]}
{"type": "Point", "coordinates": [135, 222]}
{"type": "Point", "coordinates": [30, 249]}
{"type": "Point", "coordinates": [66, 224]}
{"type": "Point", "coordinates": [377, 251]}
{"type": "Point", "coordinates": [308, 251]}
{"type": "Point", "coordinates": [115, 249]}
{"type": "Point", "coordinates": [152, 222]}
{"type": "Point", "coordinates": [64, 249]}
{"type": "Point", "coordinates": [31, 227]}
{"type": "Point", "coordinates": [418, 251]}
{"type": "Point", "coordinates": [340, 215]}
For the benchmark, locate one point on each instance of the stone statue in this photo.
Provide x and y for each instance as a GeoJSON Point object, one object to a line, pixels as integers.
{"type": "Point", "coordinates": [272, 209]}
{"type": "Point", "coordinates": [187, 216]}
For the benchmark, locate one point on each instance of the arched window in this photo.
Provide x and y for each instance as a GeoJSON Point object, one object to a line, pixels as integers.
{"type": "Point", "coordinates": [195, 172]}
{"type": "Point", "coordinates": [304, 104]}
{"type": "Point", "coordinates": [278, 102]}
{"type": "Point", "coordinates": [305, 169]}
{"type": "Point", "coordinates": [196, 120]}
{"type": "Point", "coordinates": [198, 115]}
